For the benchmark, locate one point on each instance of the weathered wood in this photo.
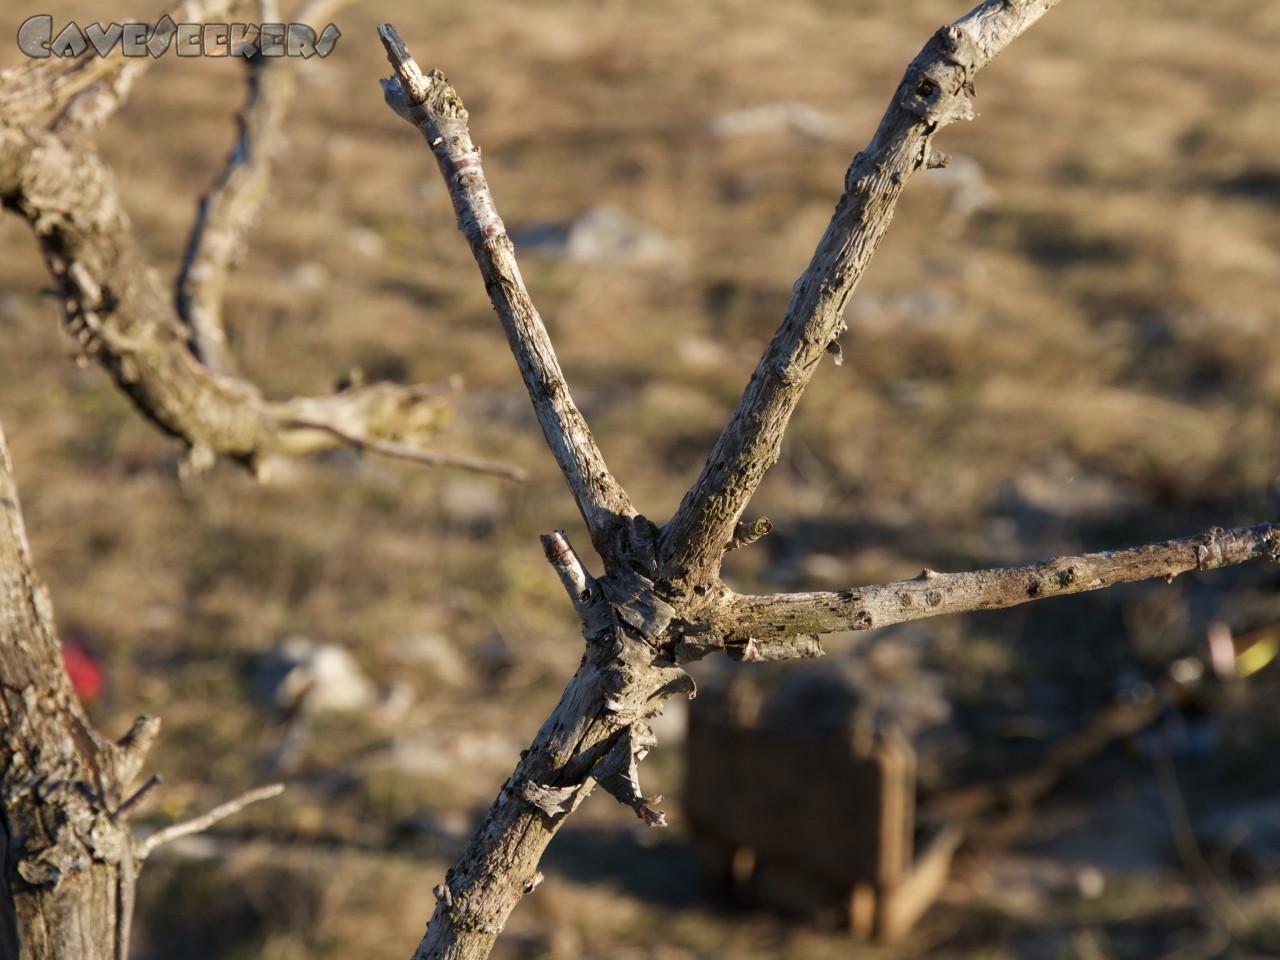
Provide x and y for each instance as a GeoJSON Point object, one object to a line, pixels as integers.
{"type": "Point", "coordinates": [598, 724]}
{"type": "Point", "coordinates": [171, 360]}
{"type": "Point", "coordinates": [660, 602]}
{"type": "Point", "coordinates": [69, 860]}
{"type": "Point", "coordinates": [68, 865]}
{"type": "Point", "coordinates": [933, 594]}
{"type": "Point", "coordinates": [117, 309]}
{"type": "Point", "coordinates": [434, 107]}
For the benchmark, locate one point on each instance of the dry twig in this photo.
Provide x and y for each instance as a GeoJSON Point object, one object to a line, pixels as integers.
{"type": "Point", "coordinates": [147, 845]}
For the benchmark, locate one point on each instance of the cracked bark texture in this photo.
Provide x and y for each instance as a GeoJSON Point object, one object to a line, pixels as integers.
{"type": "Point", "coordinates": [66, 849]}
{"type": "Point", "coordinates": [70, 860]}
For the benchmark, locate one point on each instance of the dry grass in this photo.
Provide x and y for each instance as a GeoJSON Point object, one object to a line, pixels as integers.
{"type": "Point", "coordinates": [1112, 310]}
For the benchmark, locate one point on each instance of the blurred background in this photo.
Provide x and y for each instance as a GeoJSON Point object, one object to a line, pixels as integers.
{"type": "Point", "coordinates": [1070, 340]}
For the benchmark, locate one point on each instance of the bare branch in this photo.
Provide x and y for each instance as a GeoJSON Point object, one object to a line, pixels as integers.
{"type": "Point", "coordinates": [147, 845]}
{"type": "Point", "coordinates": [593, 729]}
{"type": "Point", "coordinates": [116, 308]}
{"type": "Point", "coordinates": [114, 304]}
{"type": "Point", "coordinates": [932, 594]}
{"type": "Point", "coordinates": [934, 92]}
{"type": "Point", "coordinates": [229, 209]}
{"type": "Point", "coordinates": [432, 458]}
{"type": "Point", "coordinates": [432, 105]}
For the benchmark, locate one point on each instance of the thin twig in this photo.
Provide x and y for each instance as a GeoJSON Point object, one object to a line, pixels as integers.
{"type": "Point", "coordinates": [434, 458]}
{"type": "Point", "coordinates": [138, 796]}
{"type": "Point", "coordinates": [433, 106]}
{"type": "Point", "coordinates": [229, 209]}
{"type": "Point", "coordinates": [148, 844]}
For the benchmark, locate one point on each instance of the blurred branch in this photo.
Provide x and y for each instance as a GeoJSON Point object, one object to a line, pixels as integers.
{"type": "Point", "coordinates": [935, 91]}
{"type": "Point", "coordinates": [147, 845]}
{"type": "Point", "coordinates": [115, 306]}
{"type": "Point", "coordinates": [1210, 887]}
{"type": "Point", "coordinates": [997, 811]}
{"type": "Point", "coordinates": [228, 211]}
{"type": "Point", "coordinates": [932, 594]}
{"type": "Point", "coordinates": [117, 309]}
{"type": "Point", "coordinates": [432, 458]}
{"type": "Point", "coordinates": [433, 106]}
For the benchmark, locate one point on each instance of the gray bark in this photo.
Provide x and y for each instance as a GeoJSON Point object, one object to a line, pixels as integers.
{"type": "Point", "coordinates": [70, 861]}
{"type": "Point", "coordinates": [660, 602]}
{"type": "Point", "coordinates": [66, 850]}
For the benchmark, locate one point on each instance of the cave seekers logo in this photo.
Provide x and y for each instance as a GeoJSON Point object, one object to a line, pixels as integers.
{"type": "Point", "coordinates": [37, 39]}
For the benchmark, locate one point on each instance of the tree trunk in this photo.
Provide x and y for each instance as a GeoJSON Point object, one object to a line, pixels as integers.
{"type": "Point", "coordinates": [68, 856]}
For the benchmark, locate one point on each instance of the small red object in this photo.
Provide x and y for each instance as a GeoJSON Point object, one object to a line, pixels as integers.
{"type": "Point", "coordinates": [83, 666]}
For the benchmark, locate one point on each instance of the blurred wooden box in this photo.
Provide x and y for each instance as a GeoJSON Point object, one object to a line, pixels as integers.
{"type": "Point", "coordinates": [811, 828]}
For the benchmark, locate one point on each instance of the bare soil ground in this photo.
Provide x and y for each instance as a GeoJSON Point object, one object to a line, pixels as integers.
{"type": "Point", "coordinates": [1070, 340]}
